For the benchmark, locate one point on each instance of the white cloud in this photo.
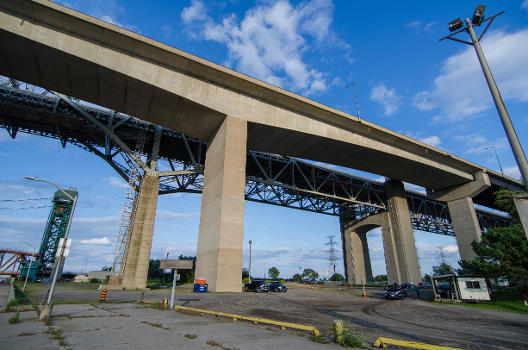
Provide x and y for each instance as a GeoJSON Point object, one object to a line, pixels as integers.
{"type": "Point", "coordinates": [97, 241]}
{"type": "Point", "coordinates": [432, 140]}
{"type": "Point", "coordinates": [524, 5]}
{"type": "Point", "coordinates": [419, 26]}
{"type": "Point", "coordinates": [107, 10]}
{"type": "Point", "coordinates": [460, 90]}
{"type": "Point", "coordinates": [387, 98]}
{"type": "Point", "coordinates": [269, 42]}
{"type": "Point", "coordinates": [117, 182]}
{"type": "Point", "coordinates": [167, 214]}
{"type": "Point", "coordinates": [512, 172]}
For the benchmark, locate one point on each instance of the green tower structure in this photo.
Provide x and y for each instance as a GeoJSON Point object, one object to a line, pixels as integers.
{"type": "Point", "coordinates": [55, 230]}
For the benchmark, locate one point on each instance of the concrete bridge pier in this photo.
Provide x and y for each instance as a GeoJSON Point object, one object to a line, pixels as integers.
{"type": "Point", "coordinates": [401, 259]}
{"type": "Point", "coordinates": [462, 211]}
{"type": "Point", "coordinates": [356, 254]}
{"type": "Point", "coordinates": [221, 232]}
{"type": "Point", "coordinates": [140, 242]}
{"type": "Point", "coordinates": [401, 234]}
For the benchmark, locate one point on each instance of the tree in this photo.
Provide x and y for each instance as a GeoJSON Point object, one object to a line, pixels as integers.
{"type": "Point", "coordinates": [273, 273]}
{"type": "Point", "coordinates": [426, 277]}
{"type": "Point", "coordinates": [380, 278]}
{"type": "Point", "coordinates": [309, 274]}
{"type": "Point", "coordinates": [442, 269]}
{"type": "Point", "coordinates": [154, 272]}
{"type": "Point", "coordinates": [337, 277]}
{"type": "Point", "coordinates": [297, 277]}
{"type": "Point", "coordinates": [502, 251]}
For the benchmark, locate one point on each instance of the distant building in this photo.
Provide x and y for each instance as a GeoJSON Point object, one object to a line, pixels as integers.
{"type": "Point", "coordinates": [102, 276]}
{"type": "Point", "coordinates": [81, 278]}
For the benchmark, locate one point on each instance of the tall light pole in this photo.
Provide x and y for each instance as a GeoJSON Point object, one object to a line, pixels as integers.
{"type": "Point", "coordinates": [477, 19]}
{"type": "Point", "coordinates": [497, 156]}
{"type": "Point", "coordinates": [249, 271]}
{"type": "Point", "coordinates": [357, 100]}
{"type": "Point", "coordinates": [46, 310]}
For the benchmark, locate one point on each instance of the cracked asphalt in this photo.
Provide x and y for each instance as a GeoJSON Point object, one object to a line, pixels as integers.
{"type": "Point", "coordinates": [411, 319]}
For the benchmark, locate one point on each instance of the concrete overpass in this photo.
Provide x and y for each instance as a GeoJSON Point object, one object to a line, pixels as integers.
{"type": "Point", "coordinates": [62, 50]}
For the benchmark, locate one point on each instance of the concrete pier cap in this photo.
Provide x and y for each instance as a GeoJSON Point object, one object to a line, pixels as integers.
{"type": "Point", "coordinates": [462, 211]}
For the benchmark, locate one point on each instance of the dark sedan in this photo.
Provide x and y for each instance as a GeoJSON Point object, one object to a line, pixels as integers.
{"type": "Point", "coordinates": [395, 292]}
{"type": "Point", "coordinates": [256, 286]}
{"type": "Point", "coordinates": [276, 286]}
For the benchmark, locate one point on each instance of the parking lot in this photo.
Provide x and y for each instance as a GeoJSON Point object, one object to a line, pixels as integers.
{"type": "Point", "coordinates": [409, 319]}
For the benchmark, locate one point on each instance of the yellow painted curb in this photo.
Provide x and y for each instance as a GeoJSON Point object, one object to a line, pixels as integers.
{"type": "Point", "coordinates": [382, 343]}
{"type": "Point", "coordinates": [255, 320]}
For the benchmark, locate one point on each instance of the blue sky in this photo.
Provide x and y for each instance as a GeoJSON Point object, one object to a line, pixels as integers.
{"type": "Point", "coordinates": [407, 81]}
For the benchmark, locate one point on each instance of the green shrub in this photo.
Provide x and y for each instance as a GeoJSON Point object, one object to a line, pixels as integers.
{"type": "Point", "coordinates": [15, 318]}
{"type": "Point", "coordinates": [245, 280]}
{"type": "Point", "coordinates": [94, 280]}
{"type": "Point", "coordinates": [11, 305]}
{"type": "Point", "coordinates": [352, 338]}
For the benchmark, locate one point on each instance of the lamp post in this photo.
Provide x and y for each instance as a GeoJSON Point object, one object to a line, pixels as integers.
{"type": "Point", "coordinates": [30, 264]}
{"type": "Point", "coordinates": [249, 271]}
{"type": "Point", "coordinates": [497, 156]}
{"type": "Point", "coordinates": [456, 26]}
{"type": "Point", "coordinates": [46, 310]}
{"type": "Point", "coordinates": [357, 100]}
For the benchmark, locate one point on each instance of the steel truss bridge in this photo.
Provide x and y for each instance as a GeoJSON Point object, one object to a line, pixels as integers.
{"type": "Point", "coordinates": [270, 178]}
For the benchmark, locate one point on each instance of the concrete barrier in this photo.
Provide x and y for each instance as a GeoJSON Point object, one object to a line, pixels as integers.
{"type": "Point", "coordinates": [382, 343]}
{"type": "Point", "coordinates": [255, 320]}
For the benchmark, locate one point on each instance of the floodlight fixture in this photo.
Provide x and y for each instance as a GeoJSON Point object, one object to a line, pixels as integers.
{"type": "Point", "coordinates": [455, 24]}
{"type": "Point", "coordinates": [478, 15]}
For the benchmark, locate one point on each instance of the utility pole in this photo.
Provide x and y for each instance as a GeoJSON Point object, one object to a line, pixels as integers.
{"type": "Point", "coordinates": [477, 20]}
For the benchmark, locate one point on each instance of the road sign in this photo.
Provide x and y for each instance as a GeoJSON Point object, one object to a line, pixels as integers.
{"type": "Point", "coordinates": [176, 264]}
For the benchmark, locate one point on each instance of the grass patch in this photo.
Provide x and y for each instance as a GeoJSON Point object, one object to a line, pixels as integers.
{"type": "Point", "coordinates": [56, 334]}
{"type": "Point", "coordinates": [14, 319]}
{"type": "Point", "coordinates": [190, 336]}
{"type": "Point", "coordinates": [352, 338]}
{"type": "Point", "coordinates": [502, 300]}
{"type": "Point", "coordinates": [25, 334]}
{"type": "Point", "coordinates": [11, 306]}
{"type": "Point", "coordinates": [319, 339]}
{"type": "Point", "coordinates": [212, 342]}
{"type": "Point", "coordinates": [157, 325]}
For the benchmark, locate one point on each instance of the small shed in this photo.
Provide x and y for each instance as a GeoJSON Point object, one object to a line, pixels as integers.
{"type": "Point", "coordinates": [460, 288]}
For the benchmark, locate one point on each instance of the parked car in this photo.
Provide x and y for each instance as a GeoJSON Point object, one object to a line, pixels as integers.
{"type": "Point", "coordinates": [395, 292]}
{"type": "Point", "coordinates": [276, 286]}
{"type": "Point", "coordinates": [256, 286]}
{"type": "Point", "coordinates": [425, 285]}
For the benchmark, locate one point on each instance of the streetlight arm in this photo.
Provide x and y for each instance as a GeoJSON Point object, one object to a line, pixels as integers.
{"type": "Point", "coordinates": [51, 183]}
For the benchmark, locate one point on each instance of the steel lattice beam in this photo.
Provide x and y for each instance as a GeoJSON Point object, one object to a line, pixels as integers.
{"type": "Point", "coordinates": [270, 178]}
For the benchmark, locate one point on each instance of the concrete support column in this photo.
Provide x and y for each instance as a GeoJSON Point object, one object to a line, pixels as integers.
{"type": "Point", "coordinates": [521, 203]}
{"type": "Point", "coordinates": [140, 243]}
{"type": "Point", "coordinates": [465, 225]}
{"type": "Point", "coordinates": [392, 264]}
{"type": "Point", "coordinates": [462, 211]}
{"type": "Point", "coordinates": [402, 234]}
{"type": "Point", "coordinates": [220, 239]}
{"type": "Point", "coordinates": [357, 256]}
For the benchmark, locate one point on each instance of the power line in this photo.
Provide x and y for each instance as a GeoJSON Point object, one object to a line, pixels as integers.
{"type": "Point", "coordinates": [44, 206]}
{"type": "Point", "coordinates": [24, 200]}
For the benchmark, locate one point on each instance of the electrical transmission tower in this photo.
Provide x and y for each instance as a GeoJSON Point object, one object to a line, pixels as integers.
{"type": "Point", "coordinates": [129, 208]}
{"type": "Point", "coordinates": [332, 255]}
{"type": "Point", "coordinates": [442, 255]}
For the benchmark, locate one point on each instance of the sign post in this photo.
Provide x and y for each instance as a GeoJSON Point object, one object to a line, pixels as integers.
{"type": "Point", "coordinates": [175, 265]}
{"type": "Point", "coordinates": [173, 288]}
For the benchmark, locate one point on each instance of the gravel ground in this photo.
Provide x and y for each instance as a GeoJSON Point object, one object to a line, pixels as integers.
{"type": "Point", "coordinates": [410, 319]}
